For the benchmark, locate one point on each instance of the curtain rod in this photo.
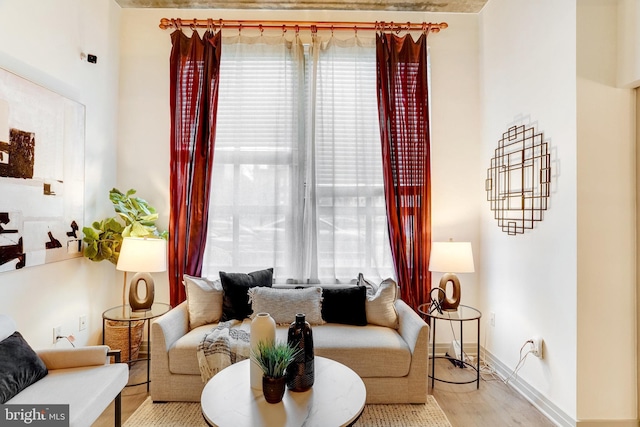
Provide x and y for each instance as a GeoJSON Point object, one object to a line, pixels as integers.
{"type": "Point", "coordinates": [166, 23]}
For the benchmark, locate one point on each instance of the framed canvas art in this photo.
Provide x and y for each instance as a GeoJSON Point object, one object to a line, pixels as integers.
{"type": "Point", "coordinates": [41, 174]}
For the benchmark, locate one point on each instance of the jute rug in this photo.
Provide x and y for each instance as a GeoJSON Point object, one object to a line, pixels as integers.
{"type": "Point", "coordinates": [182, 414]}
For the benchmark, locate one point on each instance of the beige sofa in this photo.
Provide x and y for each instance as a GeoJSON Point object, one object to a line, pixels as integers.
{"type": "Point", "coordinates": [79, 377]}
{"type": "Point", "coordinates": [391, 362]}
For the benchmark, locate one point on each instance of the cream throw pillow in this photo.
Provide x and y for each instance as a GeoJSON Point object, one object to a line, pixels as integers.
{"type": "Point", "coordinates": [204, 300]}
{"type": "Point", "coordinates": [380, 307]}
{"type": "Point", "coordinates": [284, 304]}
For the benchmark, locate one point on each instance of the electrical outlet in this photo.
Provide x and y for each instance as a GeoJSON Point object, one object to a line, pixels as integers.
{"type": "Point", "coordinates": [82, 322]}
{"type": "Point", "coordinates": [537, 346]}
{"type": "Point", "coordinates": [492, 318]}
{"type": "Point", "coordinates": [57, 332]}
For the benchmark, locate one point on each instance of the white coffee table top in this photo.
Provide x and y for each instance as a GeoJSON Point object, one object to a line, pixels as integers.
{"type": "Point", "coordinates": [336, 399]}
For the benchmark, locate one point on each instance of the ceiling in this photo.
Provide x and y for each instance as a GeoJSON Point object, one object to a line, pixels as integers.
{"type": "Point", "coordinates": [454, 6]}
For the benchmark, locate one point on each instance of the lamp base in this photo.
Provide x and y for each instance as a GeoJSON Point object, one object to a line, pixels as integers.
{"type": "Point", "coordinates": [136, 302]}
{"type": "Point", "coordinates": [446, 303]}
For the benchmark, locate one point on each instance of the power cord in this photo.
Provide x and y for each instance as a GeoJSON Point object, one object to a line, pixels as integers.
{"type": "Point", "coordinates": [69, 338]}
{"type": "Point", "coordinates": [520, 364]}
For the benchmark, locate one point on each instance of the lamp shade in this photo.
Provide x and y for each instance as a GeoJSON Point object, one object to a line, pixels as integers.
{"type": "Point", "coordinates": [142, 255]}
{"type": "Point", "coordinates": [451, 257]}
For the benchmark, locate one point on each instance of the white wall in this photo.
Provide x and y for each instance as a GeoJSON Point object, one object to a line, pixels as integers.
{"type": "Point", "coordinates": [628, 53]}
{"type": "Point", "coordinates": [42, 42]}
{"type": "Point", "coordinates": [144, 113]}
{"type": "Point", "coordinates": [528, 65]}
{"type": "Point", "coordinates": [572, 279]}
{"type": "Point", "coordinates": [606, 222]}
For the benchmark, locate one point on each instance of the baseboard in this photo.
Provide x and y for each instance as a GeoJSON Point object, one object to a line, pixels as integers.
{"type": "Point", "coordinates": [544, 405]}
{"type": "Point", "coordinates": [609, 423]}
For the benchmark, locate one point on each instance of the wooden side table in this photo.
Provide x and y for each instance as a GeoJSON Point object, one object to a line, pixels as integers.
{"type": "Point", "coordinates": [126, 315]}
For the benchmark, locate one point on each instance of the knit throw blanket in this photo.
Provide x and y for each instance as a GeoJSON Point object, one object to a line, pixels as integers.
{"type": "Point", "coordinates": [223, 345]}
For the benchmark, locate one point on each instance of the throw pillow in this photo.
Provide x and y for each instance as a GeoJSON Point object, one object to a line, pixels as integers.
{"type": "Point", "coordinates": [381, 307]}
{"type": "Point", "coordinates": [21, 366]}
{"type": "Point", "coordinates": [344, 305]}
{"type": "Point", "coordinates": [372, 288]}
{"type": "Point", "coordinates": [204, 300]}
{"type": "Point", "coordinates": [284, 304]}
{"type": "Point", "coordinates": [235, 303]}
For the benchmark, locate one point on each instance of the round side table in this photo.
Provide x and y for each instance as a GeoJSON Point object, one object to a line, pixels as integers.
{"type": "Point", "coordinates": [463, 314]}
{"type": "Point", "coordinates": [124, 314]}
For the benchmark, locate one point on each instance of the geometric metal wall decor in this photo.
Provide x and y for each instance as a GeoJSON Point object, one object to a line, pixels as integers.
{"type": "Point", "coordinates": [518, 180]}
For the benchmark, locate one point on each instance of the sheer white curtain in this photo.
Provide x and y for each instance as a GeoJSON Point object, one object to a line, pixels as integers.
{"type": "Point", "coordinates": [297, 174]}
{"type": "Point", "coordinates": [351, 217]}
{"type": "Point", "coordinates": [255, 184]}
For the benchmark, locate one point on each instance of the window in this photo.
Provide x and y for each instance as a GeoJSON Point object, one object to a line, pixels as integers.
{"type": "Point", "coordinates": [297, 175]}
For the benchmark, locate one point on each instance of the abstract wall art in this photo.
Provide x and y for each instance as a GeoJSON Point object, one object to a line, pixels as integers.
{"type": "Point", "coordinates": [41, 174]}
{"type": "Point", "coordinates": [518, 179]}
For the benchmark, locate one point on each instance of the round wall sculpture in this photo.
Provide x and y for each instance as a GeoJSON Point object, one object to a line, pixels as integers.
{"type": "Point", "coordinates": [518, 180]}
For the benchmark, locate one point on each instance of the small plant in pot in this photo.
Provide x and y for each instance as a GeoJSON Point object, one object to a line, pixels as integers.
{"type": "Point", "coordinates": [273, 358]}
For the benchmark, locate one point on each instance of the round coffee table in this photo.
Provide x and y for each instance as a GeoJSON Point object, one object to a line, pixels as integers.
{"type": "Point", "coordinates": [336, 399]}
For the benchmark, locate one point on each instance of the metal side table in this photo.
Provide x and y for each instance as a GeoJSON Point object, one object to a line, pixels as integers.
{"type": "Point", "coordinates": [126, 315]}
{"type": "Point", "coordinates": [463, 314]}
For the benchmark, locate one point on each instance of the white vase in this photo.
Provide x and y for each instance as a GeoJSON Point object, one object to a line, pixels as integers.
{"type": "Point", "coordinates": [263, 328]}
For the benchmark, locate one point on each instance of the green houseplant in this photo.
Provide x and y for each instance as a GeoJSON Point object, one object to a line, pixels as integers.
{"type": "Point", "coordinates": [104, 238]}
{"type": "Point", "coordinates": [273, 358]}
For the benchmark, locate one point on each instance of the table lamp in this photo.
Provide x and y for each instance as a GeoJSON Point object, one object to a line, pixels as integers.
{"type": "Point", "coordinates": [450, 258]}
{"type": "Point", "coordinates": [144, 256]}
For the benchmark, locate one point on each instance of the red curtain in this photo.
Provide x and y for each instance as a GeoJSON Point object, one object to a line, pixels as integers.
{"type": "Point", "coordinates": [403, 104]}
{"type": "Point", "coordinates": [195, 72]}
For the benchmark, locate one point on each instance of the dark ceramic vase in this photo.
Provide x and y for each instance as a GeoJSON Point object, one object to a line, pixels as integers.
{"type": "Point", "coordinates": [300, 371]}
{"type": "Point", "coordinates": [273, 388]}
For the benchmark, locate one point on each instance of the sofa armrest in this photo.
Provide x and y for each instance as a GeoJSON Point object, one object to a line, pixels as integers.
{"type": "Point", "coordinates": [169, 327]}
{"type": "Point", "coordinates": [62, 358]}
{"type": "Point", "coordinates": [413, 329]}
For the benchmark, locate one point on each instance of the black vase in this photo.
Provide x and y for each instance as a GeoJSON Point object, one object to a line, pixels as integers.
{"type": "Point", "coordinates": [300, 371]}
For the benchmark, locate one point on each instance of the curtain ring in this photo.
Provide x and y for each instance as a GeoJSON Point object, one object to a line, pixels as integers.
{"type": "Point", "coordinates": [194, 25]}
{"type": "Point", "coordinates": [179, 21]}
{"type": "Point", "coordinates": [355, 30]}
{"type": "Point", "coordinates": [284, 29]}
{"type": "Point", "coordinates": [314, 29]}
{"type": "Point", "coordinates": [331, 30]}
{"type": "Point", "coordinates": [261, 29]}
{"type": "Point", "coordinates": [210, 26]}
{"type": "Point", "coordinates": [239, 30]}
{"type": "Point", "coordinates": [297, 29]}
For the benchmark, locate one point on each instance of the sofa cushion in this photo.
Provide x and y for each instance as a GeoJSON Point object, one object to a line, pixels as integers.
{"type": "Point", "coordinates": [87, 390]}
{"type": "Point", "coordinates": [381, 307]}
{"type": "Point", "coordinates": [21, 366]}
{"type": "Point", "coordinates": [183, 357]}
{"type": "Point", "coordinates": [371, 351]}
{"type": "Point", "coordinates": [284, 304]}
{"type": "Point", "coordinates": [235, 303]}
{"type": "Point", "coordinates": [344, 305]}
{"type": "Point", "coordinates": [347, 344]}
{"type": "Point", "coordinates": [204, 300]}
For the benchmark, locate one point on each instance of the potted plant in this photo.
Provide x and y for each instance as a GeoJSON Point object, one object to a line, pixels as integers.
{"type": "Point", "coordinates": [273, 358]}
{"type": "Point", "coordinates": [104, 238]}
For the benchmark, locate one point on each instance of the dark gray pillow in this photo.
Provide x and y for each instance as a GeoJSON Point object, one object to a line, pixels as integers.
{"type": "Point", "coordinates": [20, 366]}
{"type": "Point", "coordinates": [345, 305]}
{"type": "Point", "coordinates": [235, 302]}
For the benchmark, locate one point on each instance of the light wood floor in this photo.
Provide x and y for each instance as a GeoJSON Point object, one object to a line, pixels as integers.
{"type": "Point", "coordinates": [493, 405]}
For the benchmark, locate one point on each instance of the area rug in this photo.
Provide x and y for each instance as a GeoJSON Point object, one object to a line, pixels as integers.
{"type": "Point", "coordinates": [183, 414]}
